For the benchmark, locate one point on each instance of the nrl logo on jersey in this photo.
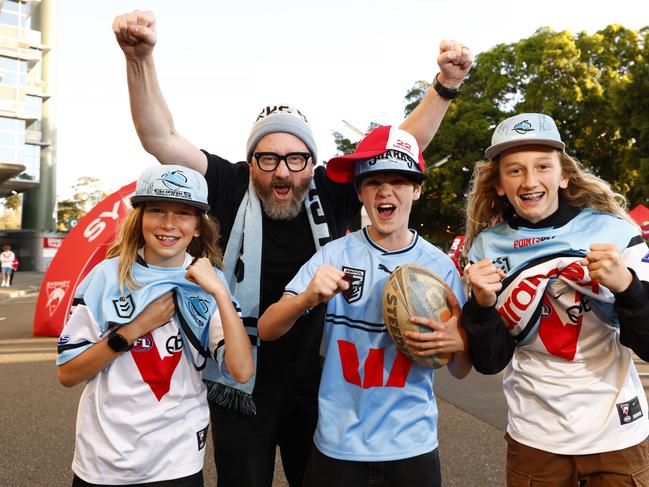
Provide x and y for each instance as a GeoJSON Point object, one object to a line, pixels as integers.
{"type": "Point", "coordinates": [502, 263]}
{"type": "Point", "coordinates": [124, 306]}
{"type": "Point", "coordinates": [356, 279]}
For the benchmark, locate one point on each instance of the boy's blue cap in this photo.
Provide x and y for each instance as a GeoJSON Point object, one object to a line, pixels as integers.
{"type": "Point", "coordinates": [174, 183]}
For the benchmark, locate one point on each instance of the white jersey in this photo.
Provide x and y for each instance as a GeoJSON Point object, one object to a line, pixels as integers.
{"type": "Point", "coordinates": [143, 418]}
{"type": "Point", "coordinates": [571, 386]}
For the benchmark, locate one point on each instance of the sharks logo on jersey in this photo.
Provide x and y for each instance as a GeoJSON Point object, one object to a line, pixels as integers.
{"type": "Point", "coordinates": [356, 279]}
{"type": "Point", "coordinates": [198, 307]}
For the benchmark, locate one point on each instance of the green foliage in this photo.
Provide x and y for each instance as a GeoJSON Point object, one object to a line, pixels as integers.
{"type": "Point", "coordinates": [594, 86]}
{"type": "Point", "coordinates": [10, 212]}
{"type": "Point", "coordinates": [88, 191]}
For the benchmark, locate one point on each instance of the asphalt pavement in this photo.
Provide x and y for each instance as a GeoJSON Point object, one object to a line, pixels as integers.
{"type": "Point", "coordinates": [38, 414]}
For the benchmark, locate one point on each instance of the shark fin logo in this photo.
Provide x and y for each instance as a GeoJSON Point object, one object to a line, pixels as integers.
{"type": "Point", "coordinates": [174, 180]}
{"type": "Point", "coordinates": [198, 309]}
{"type": "Point", "coordinates": [523, 127]}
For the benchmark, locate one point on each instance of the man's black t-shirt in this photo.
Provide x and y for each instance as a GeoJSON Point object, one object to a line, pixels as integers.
{"type": "Point", "coordinates": [286, 246]}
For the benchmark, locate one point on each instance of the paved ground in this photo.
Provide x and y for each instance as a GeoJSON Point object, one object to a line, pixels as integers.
{"type": "Point", "coordinates": [37, 438]}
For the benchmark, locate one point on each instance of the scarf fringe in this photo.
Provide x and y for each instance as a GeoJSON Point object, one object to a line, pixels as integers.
{"type": "Point", "coordinates": [230, 398]}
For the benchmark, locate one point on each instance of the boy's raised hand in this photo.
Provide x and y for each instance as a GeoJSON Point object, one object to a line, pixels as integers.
{"type": "Point", "coordinates": [325, 284]}
{"type": "Point", "coordinates": [485, 281]}
{"type": "Point", "coordinates": [605, 265]}
{"type": "Point", "coordinates": [201, 272]}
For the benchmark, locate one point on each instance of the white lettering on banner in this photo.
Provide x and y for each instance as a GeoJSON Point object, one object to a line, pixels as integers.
{"type": "Point", "coordinates": [97, 226]}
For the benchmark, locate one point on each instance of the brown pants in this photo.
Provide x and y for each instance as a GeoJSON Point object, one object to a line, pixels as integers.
{"type": "Point", "coordinates": [529, 467]}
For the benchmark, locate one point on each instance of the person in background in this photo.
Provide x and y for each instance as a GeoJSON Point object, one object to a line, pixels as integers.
{"type": "Point", "coordinates": [7, 258]}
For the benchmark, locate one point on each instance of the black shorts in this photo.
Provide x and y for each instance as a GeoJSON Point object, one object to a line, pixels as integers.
{"type": "Point", "coordinates": [420, 471]}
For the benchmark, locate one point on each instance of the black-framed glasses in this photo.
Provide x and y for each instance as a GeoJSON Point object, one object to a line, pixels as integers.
{"type": "Point", "coordinates": [295, 161]}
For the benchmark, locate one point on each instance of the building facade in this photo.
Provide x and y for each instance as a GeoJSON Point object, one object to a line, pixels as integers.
{"type": "Point", "coordinates": [23, 93]}
{"type": "Point", "coordinates": [28, 33]}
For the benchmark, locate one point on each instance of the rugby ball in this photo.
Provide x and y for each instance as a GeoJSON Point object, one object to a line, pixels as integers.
{"type": "Point", "coordinates": [413, 290]}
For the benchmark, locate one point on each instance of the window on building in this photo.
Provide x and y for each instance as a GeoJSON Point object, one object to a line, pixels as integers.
{"type": "Point", "coordinates": [32, 161]}
{"type": "Point", "coordinates": [33, 107]}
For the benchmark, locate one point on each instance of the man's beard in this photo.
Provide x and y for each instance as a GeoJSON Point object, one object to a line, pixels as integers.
{"type": "Point", "coordinates": [285, 210]}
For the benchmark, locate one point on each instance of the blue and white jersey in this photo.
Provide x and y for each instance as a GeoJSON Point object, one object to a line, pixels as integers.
{"type": "Point", "coordinates": [571, 386]}
{"type": "Point", "coordinates": [511, 248]}
{"type": "Point", "coordinates": [374, 403]}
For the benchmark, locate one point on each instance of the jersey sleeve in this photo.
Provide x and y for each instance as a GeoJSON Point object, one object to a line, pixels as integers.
{"type": "Point", "coordinates": [490, 344]}
{"type": "Point", "coordinates": [301, 280]}
{"type": "Point", "coordinates": [476, 252]}
{"type": "Point", "coordinates": [79, 333]}
{"type": "Point", "coordinates": [216, 336]}
{"type": "Point", "coordinates": [632, 305]}
{"type": "Point", "coordinates": [453, 280]}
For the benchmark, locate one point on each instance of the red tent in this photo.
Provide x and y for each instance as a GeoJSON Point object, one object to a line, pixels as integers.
{"type": "Point", "coordinates": [83, 248]}
{"type": "Point", "coordinates": [641, 216]}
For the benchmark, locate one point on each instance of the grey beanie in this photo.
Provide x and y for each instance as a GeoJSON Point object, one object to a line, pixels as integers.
{"type": "Point", "coordinates": [281, 118]}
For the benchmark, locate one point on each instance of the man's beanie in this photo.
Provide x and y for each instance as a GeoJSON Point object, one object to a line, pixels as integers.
{"type": "Point", "coordinates": [281, 118]}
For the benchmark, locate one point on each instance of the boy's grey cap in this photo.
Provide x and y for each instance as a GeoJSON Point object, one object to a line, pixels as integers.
{"type": "Point", "coordinates": [174, 183]}
{"type": "Point", "coordinates": [281, 118]}
{"type": "Point", "coordinates": [524, 129]}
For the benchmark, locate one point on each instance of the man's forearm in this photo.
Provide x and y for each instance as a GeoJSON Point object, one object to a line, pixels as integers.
{"type": "Point", "coordinates": [424, 121]}
{"type": "Point", "coordinates": [153, 121]}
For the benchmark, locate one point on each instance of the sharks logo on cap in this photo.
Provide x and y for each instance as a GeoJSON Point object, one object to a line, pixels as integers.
{"type": "Point", "coordinates": [174, 180]}
{"type": "Point", "coordinates": [523, 127]}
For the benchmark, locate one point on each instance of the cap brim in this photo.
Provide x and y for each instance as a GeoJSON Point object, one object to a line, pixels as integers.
{"type": "Point", "coordinates": [492, 152]}
{"type": "Point", "coordinates": [136, 200]}
{"type": "Point", "coordinates": [412, 175]}
{"type": "Point", "coordinates": [341, 168]}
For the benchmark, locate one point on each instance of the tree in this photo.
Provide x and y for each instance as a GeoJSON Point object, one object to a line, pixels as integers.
{"type": "Point", "coordinates": [88, 191]}
{"type": "Point", "coordinates": [10, 214]}
{"type": "Point", "coordinates": [594, 86]}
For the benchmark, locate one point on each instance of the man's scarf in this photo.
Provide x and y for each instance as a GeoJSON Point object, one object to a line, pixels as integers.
{"type": "Point", "coordinates": [242, 268]}
{"type": "Point", "coordinates": [547, 296]}
{"type": "Point", "coordinates": [110, 308]}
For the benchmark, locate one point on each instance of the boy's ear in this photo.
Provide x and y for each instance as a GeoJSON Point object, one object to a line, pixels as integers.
{"type": "Point", "coordinates": [563, 184]}
{"type": "Point", "coordinates": [416, 192]}
{"type": "Point", "coordinates": [499, 190]}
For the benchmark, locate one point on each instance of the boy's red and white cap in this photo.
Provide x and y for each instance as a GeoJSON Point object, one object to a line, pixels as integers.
{"type": "Point", "coordinates": [384, 149]}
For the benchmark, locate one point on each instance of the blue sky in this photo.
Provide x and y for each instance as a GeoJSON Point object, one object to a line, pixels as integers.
{"type": "Point", "coordinates": [220, 62]}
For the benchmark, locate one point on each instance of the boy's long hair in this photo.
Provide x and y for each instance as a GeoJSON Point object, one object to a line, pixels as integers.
{"type": "Point", "coordinates": [130, 239]}
{"type": "Point", "coordinates": [485, 208]}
